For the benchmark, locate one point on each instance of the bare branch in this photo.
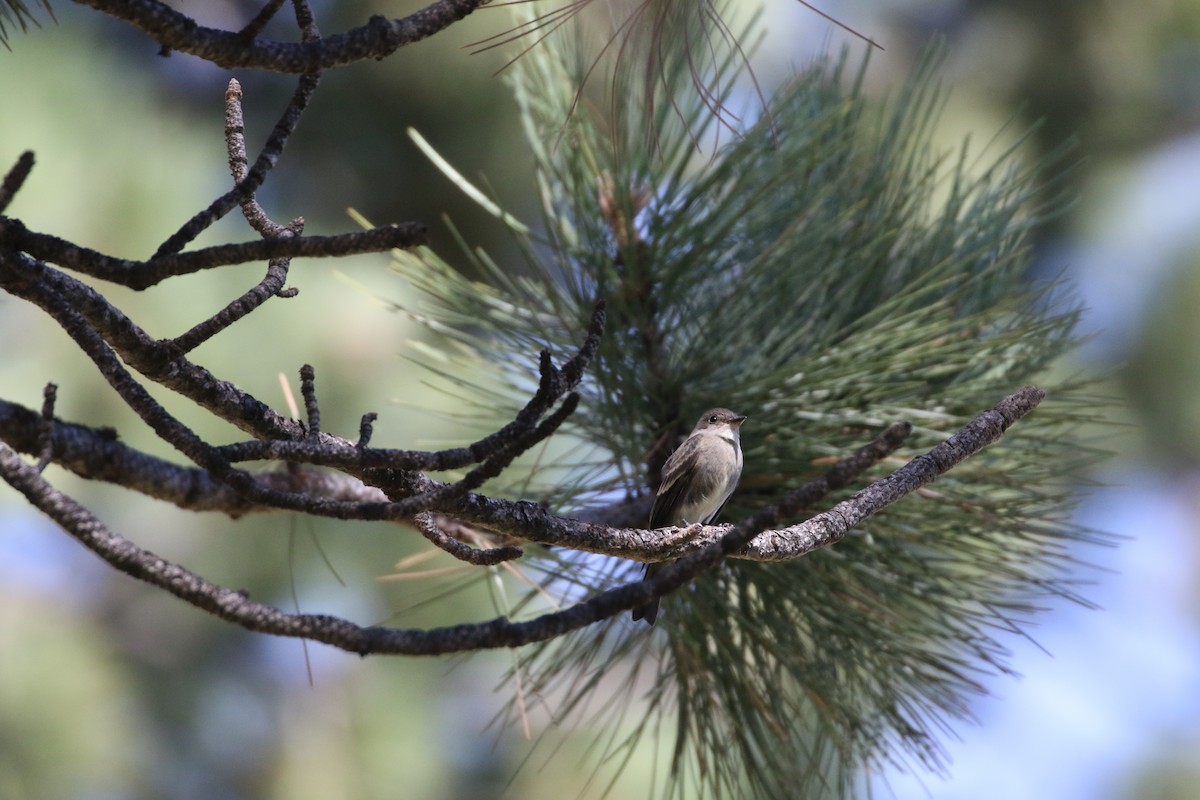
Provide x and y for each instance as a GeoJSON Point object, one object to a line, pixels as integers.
{"type": "Point", "coordinates": [212, 459]}
{"type": "Point", "coordinates": [235, 146]}
{"type": "Point", "coordinates": [256, 25]}
{"type": "Point", "coordinates": [253, 492]}
{"type": "Point", "coordinates": [270, 286]}
{"type": "Point", "coordinates": [379, 38]}
{"type": "Point", "coordinates": [821, 531]}
{"type": "Point", "coordinates": [839, 475]}
{"type": "Point", "coordinates": [45, 287]}
{"type": "Point", "coordinates": [251, 179]}
{"type": "Point", "coordinates": [46, 432]}
{"type": "Point", "coordinates": [428, 524]}
{"type": "Point", "coordinates": [554, 383]}
{"type": "Point", "coordinates": [534, 523]}
{"type": "Point", "coordinates": [97, 454]}
{"type": "Point", "coordinates": [366, 428]}
{"type": "Point", "coordinates": [308, 390]}
{"type": "Point", "coordinates": [15, 179]}
{"type": "Point", "coordinates": [277, 269]}
{"type": "Point", "coordinates": [748, 539]}
{"type": "Point", "coordinates": [144, 274]}
{"type": "Point", "coordinates": [306, 21]}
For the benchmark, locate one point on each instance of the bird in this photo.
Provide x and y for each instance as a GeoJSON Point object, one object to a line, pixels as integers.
{"type": "Point", "coordinates": [697, 481]}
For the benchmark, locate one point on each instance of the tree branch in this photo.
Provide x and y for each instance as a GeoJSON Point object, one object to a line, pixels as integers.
{"type": "Point", "coordinates": [89, 452]}
{"type": "Point", "coordinates": [379, 38]}
{"type": "Point", "coordinates": [15, 178]}
{"type": "Point", "coordinates": [144, 274]}
{"type": "Point", "coordinates": [720, 543]}
{"type": "Point", "coordinates": [430, 526]}
{"type": "Point", "coordinates": [248, 181]}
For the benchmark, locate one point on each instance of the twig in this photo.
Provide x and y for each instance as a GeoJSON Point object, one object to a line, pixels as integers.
{"type": "Point", "coordinates": [256, 25]}
{"type": "Point", "coordinates": [25, 283]}
{"type": "Point", "coordinates": [144, 274]}
{"type": "Point", "coordinates": [379, 38]}
{"type": "Point", "coordinates": [308, 390]}
{"type": "Point", "coordinates": [213, 459]}
{"type": "Point", "coordinates": [277, 268]}
{"type": "Point", "coordinates": [427, 525]}
{"type": "Point", "coordinates": [306, 21]}
{"type": "Point", "coordinates": [553, 383]}
{"type": "Point", "coordinates": [270, 286]}
{"type": "Point", "coordinates": [500, 460]}
{"type": "Point", "coordinates": [15, 179]}
{"type": "Point", "coordinates": [32, 281]}
{"type": "Point", "coordinates": [255, 176]}
{"type": "Point", "coordinates": [366, 427]}
{"type": "Point", "coordinates": [46, 434]}
{"type": "Point", "coordinates": [837, 476]}
{"type": "Point", "coordinates": [235, 148]}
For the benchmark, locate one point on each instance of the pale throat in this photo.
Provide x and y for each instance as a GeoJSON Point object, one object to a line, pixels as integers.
{"type": "Point", "coordinates": [734, 442]}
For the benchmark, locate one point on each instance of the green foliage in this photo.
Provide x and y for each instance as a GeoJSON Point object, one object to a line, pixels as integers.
{"type": "Point", "coordinates": [827, 273]}
{"type": "Point", "coordinates": [16, 12]}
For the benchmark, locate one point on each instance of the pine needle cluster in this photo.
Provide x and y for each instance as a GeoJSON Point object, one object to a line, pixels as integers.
{"type": "Point", "coordinates": [827, 272]}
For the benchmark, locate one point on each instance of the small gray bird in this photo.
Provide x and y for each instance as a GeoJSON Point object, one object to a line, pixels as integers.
{"type": "Point", "coordinates": [696, 481]}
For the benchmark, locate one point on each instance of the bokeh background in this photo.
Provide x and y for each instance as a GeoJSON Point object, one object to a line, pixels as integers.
{"type": "Point", "coordinates": [111, 690]}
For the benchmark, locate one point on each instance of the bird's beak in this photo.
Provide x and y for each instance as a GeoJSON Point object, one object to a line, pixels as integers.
{"type": "Point", "coordinates": [736, 422]}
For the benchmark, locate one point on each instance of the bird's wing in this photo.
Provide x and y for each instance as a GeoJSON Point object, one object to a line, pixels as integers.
{"type": "Point", "coordinates": [678, 489]}
{"type": "Point", "coordinates": [713, 516]}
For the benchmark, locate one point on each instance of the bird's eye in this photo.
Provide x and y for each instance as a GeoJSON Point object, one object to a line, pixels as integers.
{"type": "Point", "coordinates": [712, 420]}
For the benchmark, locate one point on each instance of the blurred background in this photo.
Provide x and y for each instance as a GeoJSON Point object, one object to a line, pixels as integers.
{"type": "Point", "coordinates": [111, 690]}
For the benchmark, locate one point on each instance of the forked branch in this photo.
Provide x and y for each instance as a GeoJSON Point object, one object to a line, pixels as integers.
{"type": "Point", "coordinates": [747, 538]}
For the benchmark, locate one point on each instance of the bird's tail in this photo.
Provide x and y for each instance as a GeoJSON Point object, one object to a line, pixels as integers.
{"type": "Point", "coordinates": [649, 611]}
